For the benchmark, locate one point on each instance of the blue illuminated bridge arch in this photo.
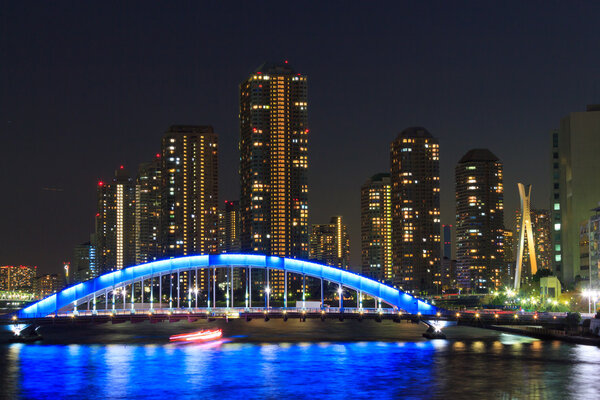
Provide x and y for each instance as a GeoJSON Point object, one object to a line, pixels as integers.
{"type": "Point", "coordinates": [111, 281]}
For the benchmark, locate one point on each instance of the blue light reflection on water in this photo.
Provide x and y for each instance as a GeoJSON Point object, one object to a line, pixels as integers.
{"type": "Point", "coordinates": [436, 369]}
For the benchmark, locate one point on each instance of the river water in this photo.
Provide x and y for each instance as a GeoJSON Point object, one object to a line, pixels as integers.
{"type": "Point", "coordinates": [472, 363]}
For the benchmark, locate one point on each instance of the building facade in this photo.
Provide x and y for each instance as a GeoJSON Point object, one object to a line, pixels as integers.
{"type": "Point", "coordinates": [189, 197]}
{"type": "Point", "coordinates": [376, 228]}
{"type": "Point", "coordinates": [84, 263]}
{"type": "Point", "coordinates": [589, 251]}
{"type": "Point", "coordinates": [229, 240]}
{"type": "Point", "coordinates": [330, 243]}
{"type": "Point", "coordinates": [415, 194]}
{"type": "Point", "coordinates": [17, 278]}
{"type": "Point", "coordinates": [509, 265]}
{"type": "Point", "coordinates": [575, 187]}
{"type": "Point", "coordinates": [115, 223]}
{"type": "Point", "coordinates": [45, 285]}
{"type": "Point", "coordinates": [274, 165]}
{"type": "Point", "coordinates": [148, 208]}
{"type": "Point", "coordinates": [479, 221]}
{"type": "Point", "coordinates": [229, 227]}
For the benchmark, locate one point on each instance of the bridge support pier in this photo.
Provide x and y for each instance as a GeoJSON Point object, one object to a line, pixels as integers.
{"type": "Point", "coordinates": [433, 331]}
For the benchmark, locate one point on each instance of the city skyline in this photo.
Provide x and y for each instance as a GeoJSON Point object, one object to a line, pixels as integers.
{"type": "Point", "coordinates": [69, 193]}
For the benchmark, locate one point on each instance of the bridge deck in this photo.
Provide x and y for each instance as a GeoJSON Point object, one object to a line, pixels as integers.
{"type": "Point", "coordinates": [192, 314]}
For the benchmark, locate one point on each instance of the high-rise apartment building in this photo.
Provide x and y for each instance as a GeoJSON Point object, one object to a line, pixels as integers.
{"type": "Point", "coordinates": [229, 239]}
{"type": "Point", "coordinates": [84, 264]}
{"type": "Point", "coordinates": [376, 228]}
{"type": "Point", "coordinates": [15, 278]}
{"type": "Point", "coordinates": [415, 192]}
{"type": "Point", "coordinates": [589, 250]}
{"type": "Point", "coordinates": [45, 285]}
{"type": "Point", "coordinates": [189, 197]}
{"type": "Point", "coordinates": [330, 243]}
{"type": "Point", "coordinates": [508, 248]}
{"type": "Point", "coordinates": [115, 223]}
{"type": "Point", "coordinates": [229, 227]}
{"type": "Point", "coordinates": [479, 221]}
{"type": "Point", "coordinates": [575, 187]}
{"type": "Point", "coordinates": [148, 207]}
{"type": "Point", "coordinates": [274, 164]}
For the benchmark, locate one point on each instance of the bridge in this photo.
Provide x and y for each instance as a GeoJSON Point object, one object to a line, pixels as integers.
{"type": "Point", "coordinates": [188, 286]}
{"type": "Point", "coordinates": [202, 286]}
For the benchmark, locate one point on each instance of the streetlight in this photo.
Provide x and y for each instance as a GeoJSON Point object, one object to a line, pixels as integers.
{"type": "Point", "coordinates": [592, 296]}
{"type": "Point", "coordinates": [267, 291]}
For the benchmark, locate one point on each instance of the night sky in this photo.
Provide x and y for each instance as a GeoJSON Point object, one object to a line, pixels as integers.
{"type": "Point", "coordinates": [88, 86]}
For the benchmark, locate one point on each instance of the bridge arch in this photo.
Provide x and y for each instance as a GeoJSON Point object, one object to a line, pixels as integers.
{"type": "Point", "coordinates": [112, 280]}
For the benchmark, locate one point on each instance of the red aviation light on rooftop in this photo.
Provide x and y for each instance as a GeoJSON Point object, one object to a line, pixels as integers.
{"type": "Point", "coordinates": [286, 61]}
{"type": "Point", "coordinates": [100, 183]}
{"type": "Point", "coordinates": [121, 167]}
{"type": "Point", "coordinates": [157, 155]}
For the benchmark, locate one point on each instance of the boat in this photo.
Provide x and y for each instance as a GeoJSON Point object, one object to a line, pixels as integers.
{"type": "Point", "coordinates": [204, 335]}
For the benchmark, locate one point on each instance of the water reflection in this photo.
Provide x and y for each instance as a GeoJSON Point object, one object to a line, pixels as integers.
{"type": "Point", "coordinates": [510, 367]}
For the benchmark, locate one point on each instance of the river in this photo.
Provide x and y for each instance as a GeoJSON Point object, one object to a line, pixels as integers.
{"type": "Point", "coordinates": [471, 364]}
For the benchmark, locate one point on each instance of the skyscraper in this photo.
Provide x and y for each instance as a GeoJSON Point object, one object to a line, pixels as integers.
{"type": "Point", "coordinates": [479, 220]}
{"type": "Point", "coordinates": [189, 197]}
{"type": "Point", "coordinates": [508, 248]}
{"type": "Point", "coordinates": [415, 192]}
{"type": "Point", "coordinates": [274, 162]}
{"type": "Point", "coordinates": [148, 194]}
{"type": "Point", "coordinates": [330, 243]}
{"type": "Point", "coordinates": [273, 165]}
{"type": "Point", "coordinates": [376, 228]}
{"type": "Point", "coordinates": [229, 240]}
{"type": "Point", "coordinates": [84, 263]}
{"type": "Point", "coordinates": [115, 223]}
{"type": "Point", "coordinates": [229, 227]}
{"type": "Point", "coordinates": [448, 248]}
{"type": "Point", "coordinates": [575, 187]}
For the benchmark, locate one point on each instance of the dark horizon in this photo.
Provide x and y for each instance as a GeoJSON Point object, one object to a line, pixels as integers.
{"type": "Point", "coordinates": [90, 87]}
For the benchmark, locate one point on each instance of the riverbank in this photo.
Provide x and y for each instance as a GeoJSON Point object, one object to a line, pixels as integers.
{"type": "Point", "coordinates": [546, 334]}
